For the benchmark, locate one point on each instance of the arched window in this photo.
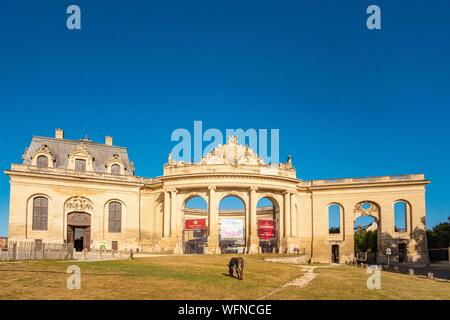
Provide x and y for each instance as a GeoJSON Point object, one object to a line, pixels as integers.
{"type": "Point", "coordinates": [42, 161]}
{"type": "Point", "coordinates": [115, 169]}
{"type": "Point", "coordinates": [334, 219]}
{"type": "Point", "coordinates": [400, 214]}
{"type": "Point", "coordinates": [40, 213]}
{"type": "Point", "coordinates": [115, 217]}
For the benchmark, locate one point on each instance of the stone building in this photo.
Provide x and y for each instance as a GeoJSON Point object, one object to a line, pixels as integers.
{"type": "Point", "coordinates": [87, 193]}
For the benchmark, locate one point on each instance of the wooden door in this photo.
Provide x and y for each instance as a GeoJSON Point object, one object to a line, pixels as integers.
{"type": "Point", "coordinates": [70, 234]}
{"type": "Point", "coordinates": [87, 238]}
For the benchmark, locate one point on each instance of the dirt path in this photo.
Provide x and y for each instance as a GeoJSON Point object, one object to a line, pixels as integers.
{"type": "Point", "coordinates": [301, 282]}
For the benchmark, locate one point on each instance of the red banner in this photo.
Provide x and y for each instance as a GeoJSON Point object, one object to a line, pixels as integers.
{"type": "Point", "coordinates": [195, 224]}
{"type": "Point", "coordinates": [266, 229]}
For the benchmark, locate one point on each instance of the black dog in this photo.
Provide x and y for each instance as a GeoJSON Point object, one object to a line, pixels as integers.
{"type": "Point", "coordinates": [238, 265]}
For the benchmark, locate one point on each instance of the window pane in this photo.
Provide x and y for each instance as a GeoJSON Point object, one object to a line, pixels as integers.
{"type": "Point", "coordinates": [400, 216]}
{"type": "Point", "coordinates": [334, 219]}
{"type": "Point", "coordinates": [115, 217]}
{"type": "Point", "coordinates": [80, 165]}
{"type": "Point", "coordinates": [42, 162]}
{"type": "Point", "coordinates": [40, 213]}
{"type": "Point", "coordinates": [115, 169]}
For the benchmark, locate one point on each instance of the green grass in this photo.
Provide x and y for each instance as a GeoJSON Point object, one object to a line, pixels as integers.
{"type": "Point", "coordinates": [171, 277]}
{"type": "Point", "coordinates": [202, 277]}
{"type": "Point", "coordinates": [350, 283]}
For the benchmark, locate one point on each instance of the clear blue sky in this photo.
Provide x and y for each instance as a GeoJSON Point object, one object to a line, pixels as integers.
{"type": "Point", "coordinates": [348, 102]}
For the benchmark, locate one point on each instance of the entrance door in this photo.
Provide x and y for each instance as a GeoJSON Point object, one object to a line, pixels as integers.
{"type": "Point", "coordinates": [335, 253]}
{"type": "Point", "coordinates": [79, 230]}
{"type": "Point", "coordinates": [78, 239]}
{"type": "Point", "coordinates": [402, 252]}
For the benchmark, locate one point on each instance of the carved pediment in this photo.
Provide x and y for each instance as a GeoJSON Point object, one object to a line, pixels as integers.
{"type": "Point", "coordinates": [43, 149]}
{"type": "Point", "coordinates": [115, 159]}
{"type": "Point", "coordinates": [80, 150]}
{"type": "Point", "coordinates": [79, 204]}
{"type": "Point", "coordinates": [232, 153]}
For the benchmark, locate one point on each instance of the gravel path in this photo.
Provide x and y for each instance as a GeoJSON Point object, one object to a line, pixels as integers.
{"type": "Point", "coordinates": [301, 282]}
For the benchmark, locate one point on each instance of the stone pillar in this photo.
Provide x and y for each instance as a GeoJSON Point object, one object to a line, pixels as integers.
{"type": "Point", "coordinates": [294, 217]}
{"type": "Point", "coordinates": [287, 214]}
{"type": "Point", "coordinates": [173, 212]}
{"type": "Point", "coordinates": [175, 230]}
{"type": "Point", "coordinates": [213, 222]}
{"type": "Point", "coordinates": [280, 228]}
{"type": "Point", "coordinates": [166, 215]}
{"type": "Point", "coordinates": [254, 240]}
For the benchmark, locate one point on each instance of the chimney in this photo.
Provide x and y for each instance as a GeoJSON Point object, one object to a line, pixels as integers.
{"type": "Point", "coordinates": [59, 133]}
{"type": "Point", "coordinates": [108, 141]}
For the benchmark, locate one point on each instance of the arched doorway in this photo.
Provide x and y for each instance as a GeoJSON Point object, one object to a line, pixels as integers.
{"type": "Point", "coordinates": [195, 222]}
{"type": "Point", "coordinates": [267, 215]}
{"type": "Point", "coordinates": [232, 221]}
{"type": "Point", "coordinates": [79, 230]}
{"type": "Point", "coordinates": [366, 232]}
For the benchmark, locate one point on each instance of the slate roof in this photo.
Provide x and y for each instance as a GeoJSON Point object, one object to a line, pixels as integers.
{"type": "Point", "coordinates": [60, 148]}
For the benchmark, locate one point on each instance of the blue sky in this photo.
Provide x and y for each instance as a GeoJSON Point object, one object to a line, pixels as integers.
{"type": "Point", "coordinates": [348, 102]}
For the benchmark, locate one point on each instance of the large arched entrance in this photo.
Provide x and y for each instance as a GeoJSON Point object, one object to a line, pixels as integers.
{"type": "Point", "coordinates": [79, 210]}
{"type": "Point", "coordinates": [79, 230]}
{"type": "Point", "coordinates": [232, 221]}
{"type": "Point", "coordinates": [366, 232]}
{"type": "Point", "coordinates": [268, 217]}
{"type": "Point", "coordinates": [195, 222]}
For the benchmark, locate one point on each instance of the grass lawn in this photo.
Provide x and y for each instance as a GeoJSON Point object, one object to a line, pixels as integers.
{"type": "Point", "coordinates": [202, 277]}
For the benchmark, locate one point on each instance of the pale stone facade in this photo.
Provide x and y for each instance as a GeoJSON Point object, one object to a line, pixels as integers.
{"type": "Point", "coordinates": [79, 177]}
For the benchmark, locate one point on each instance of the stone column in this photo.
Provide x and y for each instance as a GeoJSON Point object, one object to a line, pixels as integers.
{"type": "Point", "coordinates": [280, 227]}
{"type": "Point", "coordinates": [166, 215]}
{"type": "Point", "coordinates": [254, 240]}
{"type": "Point", "coordinates": [213, 223]}
{"type": "Point", "coordinates": [175, 231]}
{"type": "Point", "coordinates": [287, 214]}
{"type": "Point", "coordinates": [173, 212]}
{"type": "Point", "coordinates": [293, 216]}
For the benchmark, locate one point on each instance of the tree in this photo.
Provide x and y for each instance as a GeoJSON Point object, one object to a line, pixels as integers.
{"type": "Point", "coordinates": [439, 236]}
{"type": "Point", "coordinates": [365, 241]}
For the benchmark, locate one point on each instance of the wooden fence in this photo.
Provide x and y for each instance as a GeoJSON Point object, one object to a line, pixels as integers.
{"type": "Point", "coordinates": [22, 250]}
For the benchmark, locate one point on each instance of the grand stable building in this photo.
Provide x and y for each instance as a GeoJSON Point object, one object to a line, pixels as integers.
{"type": "Point", "coordinates": [87, 193]}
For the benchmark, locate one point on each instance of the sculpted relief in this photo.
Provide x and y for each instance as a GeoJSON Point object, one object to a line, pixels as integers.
{"type": "Point", "coordinates": [79, 204]}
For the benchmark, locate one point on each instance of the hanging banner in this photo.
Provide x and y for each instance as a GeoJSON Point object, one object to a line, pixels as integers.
{"type": "Point", "coordinates": [266, 229]}
{"type": "Point", "coordinates": [231, 229]}
{"type": "Point", "coordinates": [195, 224]}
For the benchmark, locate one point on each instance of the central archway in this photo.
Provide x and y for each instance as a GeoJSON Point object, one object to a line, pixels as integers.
{"type": "Point", "coordinates": [232, 222]}
{"type": "Point", "coordinates": [79, 230]}
{"type": "Point", "coordinates": [366, 232]}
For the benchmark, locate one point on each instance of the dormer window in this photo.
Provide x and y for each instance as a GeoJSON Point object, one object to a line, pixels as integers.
{"type": "Point", "coordinates": [42, 157]}
{"type": "Point", "coordinates": [115, 169]}
{"type": "Point", "coordinates": [42, 161]}
{"type": "Point", "coordinates": [80, 165]}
